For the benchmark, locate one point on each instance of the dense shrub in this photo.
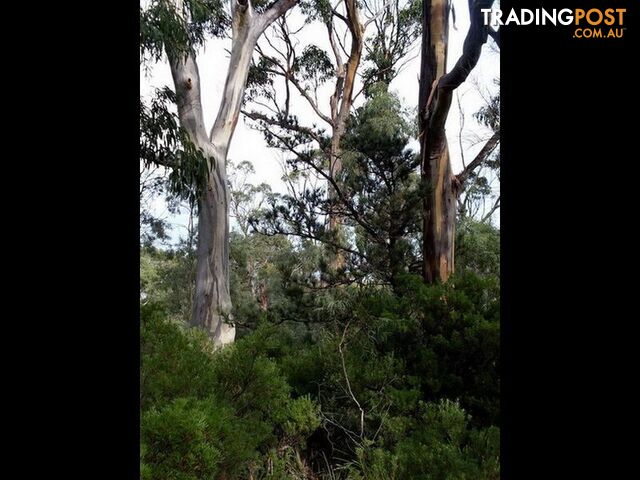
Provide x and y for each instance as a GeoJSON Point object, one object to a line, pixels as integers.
{"type": "Point", "coordinates": [440, 446]}
{"type": "Point", "coordinates": [212, 414]}
{"type": "Point", "coordinates": [382, 384]}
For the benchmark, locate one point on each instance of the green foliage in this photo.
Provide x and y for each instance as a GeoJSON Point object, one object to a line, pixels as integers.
{"type": "Point", "coordinates": [440, 446]}
{"type": "Point", "coordinates": [269, 276]}
{"type": "Point", "coordinates": [210, 413]}
{"type": "Point", "coordinates": [402, 357]}
{"type": "Point", "coordinates": [363, 381]}
{"type": "Point", "coordinates": [366, 390]}
{"type": "Point", "coordinates": [163, 31]}
{"type": "Point", "coordinates": [489, 114]}
{"type": "Point", "coordinates": [164, 143]}
{"type": "Point", "coordinates": [260, 80]}
{"type": "Point", "coordinates": [378, 200]}
{"type": "Point", "coordinates": [380, 173]}
{"type": "Point", "coordinates": [314, 63]}
{"type": "Point", "coordinates": [381, 122]}
{"type": "Point", "coordinates": [152, 228]}
{"type": "Point", "coordinates": [478, 247]}
{"type": "Point", "coordinates": [382, 377]}
{"type": "Point", "coordinates": [170, 361]}
{"type": "Point", "coordinates": [246, 198]}
{"type": "Point", "coordinates": [317, 10]}
{"type": "Point", "coordinates": [251, 380]}
{"type": "Point", "coordinates": [184, 439]}
{"type": "Point", "coordinates": [395, 33]}
{"type": "Point", "coordinates": [166, 280]}
{"type": "Point", "coordinates": [303, 417]}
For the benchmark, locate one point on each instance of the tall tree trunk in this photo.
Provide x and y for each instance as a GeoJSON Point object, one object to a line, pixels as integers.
{"type": "Point", "coordinates": [212, 299]}
{"type": "Point", "coordinates": [439, 213]}
{"type": "Point", "coordinates": [438, 233]}
{"type": "Point", "coordinates": [436, 92]}
{"type": "Point", "coordinates": [341, 101]}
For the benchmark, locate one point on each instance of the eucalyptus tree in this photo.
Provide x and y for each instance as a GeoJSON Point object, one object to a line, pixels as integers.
{"type": "Point", "coordinates": [365, 43]}
{"type": "Point", "coordinates": [177, 28]}
{"type": "Point", "coordinates": [441, 186]}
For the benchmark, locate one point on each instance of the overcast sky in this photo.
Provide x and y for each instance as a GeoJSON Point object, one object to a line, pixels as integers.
{"type": "Point", "coordinates": [249, 144]}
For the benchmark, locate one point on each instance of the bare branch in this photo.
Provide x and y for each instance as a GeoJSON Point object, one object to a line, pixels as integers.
{"type": "Point", "coordinates": [471, 49]}
{"type": "Point", "coordinates": [346, 377]}
{"type": "Point", "coordinates": [482, 156]}
{"type": "Point", "coordinates": [334, 47]}
{"type": "Point", "coordinates": [378, 13]}
{"type": "Point", "coordinates": [496, 205]}
{"type": "Point", "coordinates": [282, 124]}
{"type": "Point", "coordinates": [283, 72]}
{"type": "Point", "coordinates": [461, 129]}
{"type": "Point", "coordinates": [340, 16]}
{"type": "Point", "coordinates": [275, 11]}
{"type": "Point", "coordinates": [441, 94]}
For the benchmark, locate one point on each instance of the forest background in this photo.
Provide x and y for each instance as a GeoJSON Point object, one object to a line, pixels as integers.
{"type": "Point", "coordinates": [345, 358]}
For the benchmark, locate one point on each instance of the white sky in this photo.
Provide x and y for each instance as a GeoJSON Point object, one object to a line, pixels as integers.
{"type": "Point", "coordinates": [249, 144]}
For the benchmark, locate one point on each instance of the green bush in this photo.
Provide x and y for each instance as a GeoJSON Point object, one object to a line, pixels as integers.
{"type": "Point", "coordinates": [440, 446]}
{"type": "Point", "coordinates": [364, 394]}
{"type": "Point", "coordinates": [212, 414]}
{"type": "Point", "coordinates": [173, 363]}
{"type": "Point", "coordinates": [184, 439]}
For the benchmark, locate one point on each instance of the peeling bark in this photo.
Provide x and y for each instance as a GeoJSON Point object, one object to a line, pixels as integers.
{"type": "Point", "coordinates": [435, 166]}
{"type": "Point", "coordinates": [436, 92]}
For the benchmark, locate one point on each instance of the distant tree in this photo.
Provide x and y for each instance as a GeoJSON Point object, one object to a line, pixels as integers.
{"type": "Point", "coordinates": [152, 185]}
{"type": "Point", "coordinates": [478, 188]}
{"type": "Point", "coordinates": [380, 197]}
{"type": "Point", "coordinates": [478, 247]}
{"type": "Point", "coordinates": [166, 279]}
{"type": "Point", "coordinates": [269, 273]}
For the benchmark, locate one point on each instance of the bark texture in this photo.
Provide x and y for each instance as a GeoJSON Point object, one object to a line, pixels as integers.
{"type": "Point", "coordinates": [436, 91]}
{"type": "Point", "coordinates": [212, 299]}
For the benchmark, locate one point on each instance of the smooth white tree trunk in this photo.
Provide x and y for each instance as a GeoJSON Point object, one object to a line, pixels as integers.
{"type": "Point", "coordinates": [212, 298]}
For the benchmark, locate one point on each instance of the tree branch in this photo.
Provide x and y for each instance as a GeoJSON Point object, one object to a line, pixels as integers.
{"type": "Point", "coordinates": [282, 124]}
{"type": "Point", "coordinates": [345, 201]}
{"type": "Point", "coordinates": [334, 47]}
{"type": "Point", "coordinates": [496, 205]}
{"type": "Point", "coordinates": [186, 80]}
{"type": "Point", "coordinates": [340, 16]}
{"type": "Point", "coordinates": [275, 11]}
{"type": "Point", "coordinates": [290, 78]}
{"type": "Point", "coordinates": [307, 97]}
{"type": "Point", "coordinates": [472, 47]}
{"type": "Point", "coordinates": [378, 13]}
{"type": "Point", "coordinates": [346, 377]}
{"type": "Point", "coordinates": [482, 156]}
{"type": "Point", "coordinates": [310, 236]}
